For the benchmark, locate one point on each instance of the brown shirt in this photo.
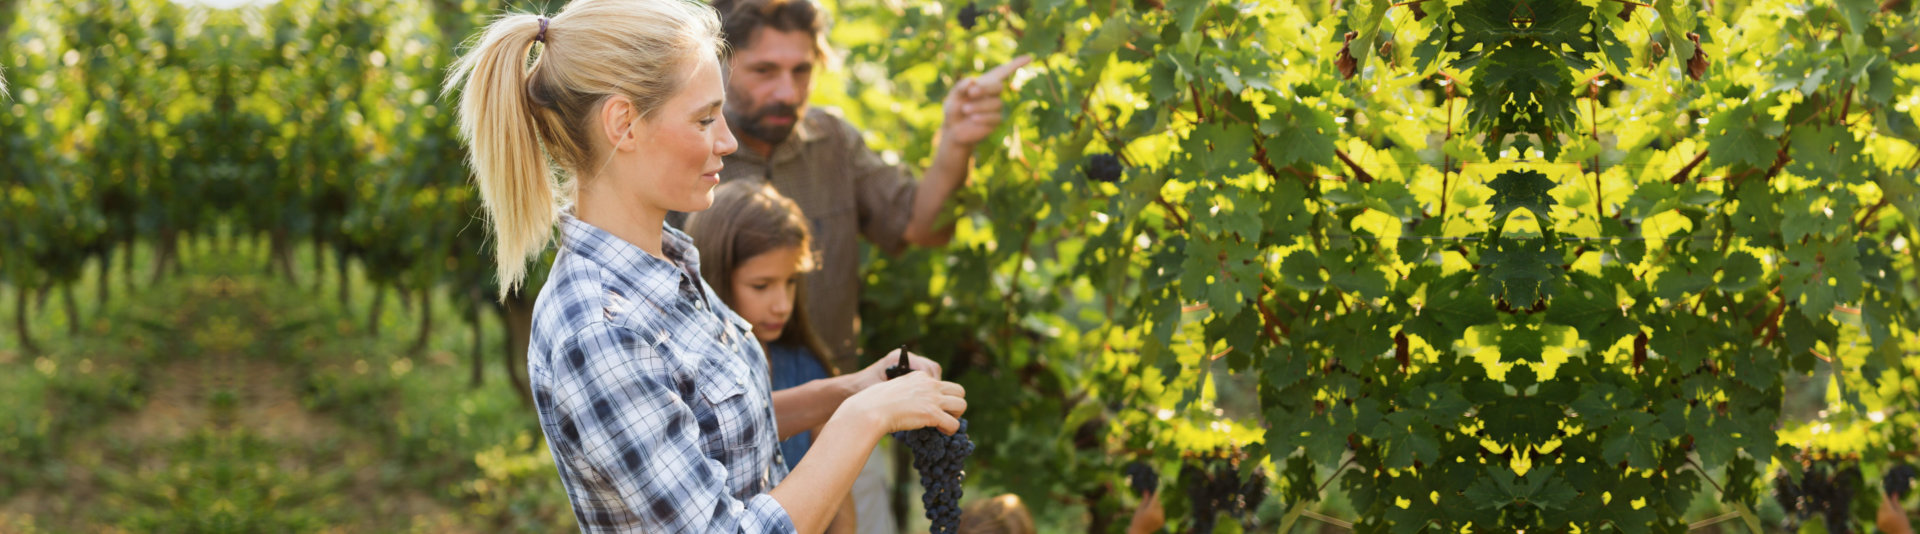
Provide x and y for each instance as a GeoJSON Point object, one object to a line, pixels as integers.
{"type": "Point", "coordinates": [845, 190]}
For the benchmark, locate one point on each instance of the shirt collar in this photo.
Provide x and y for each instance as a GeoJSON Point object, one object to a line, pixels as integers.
{"type": "Point", "coordinates": [657, 280]}
{"type": "Point", "coordinates": [788, 149]}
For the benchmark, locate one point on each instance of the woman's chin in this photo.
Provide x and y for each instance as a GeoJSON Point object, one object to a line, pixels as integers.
{"type": "Point", "coordinates": [698, 203]}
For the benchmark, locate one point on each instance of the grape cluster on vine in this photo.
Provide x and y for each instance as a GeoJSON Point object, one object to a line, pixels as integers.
{"type": "Point", "coordinates": [1825, 489]}
{"type": "Point", "coordinates": [1104, 168]}
{"type": "Point", "coordinates": [1142, 478]}
{"type": "Point", "coordinates": [940, 459]}
{"type": "Point", "coordinates": [1898, 481]}
{"type": "Point", "coordinates": [1221, 490]}
{"type": "Point", "coordinates": [968, 16]}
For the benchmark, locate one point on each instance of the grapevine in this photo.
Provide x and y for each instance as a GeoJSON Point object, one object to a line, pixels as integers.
{"type": "Point", "coordinates": [941, 461]}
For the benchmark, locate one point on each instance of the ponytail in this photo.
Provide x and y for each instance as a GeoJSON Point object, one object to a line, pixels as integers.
{"type": "Point", "coordinates": [497, 120]}
{"type": "Point", "coordinates": [516, 117]}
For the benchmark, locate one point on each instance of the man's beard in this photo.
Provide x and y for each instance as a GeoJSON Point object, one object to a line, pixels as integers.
{"type": "Point", "coordinates": [754, 125]}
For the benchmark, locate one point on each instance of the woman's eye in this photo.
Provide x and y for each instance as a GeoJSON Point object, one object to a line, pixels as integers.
{"type": "Point", "coordinates": [706, 122]}
{"type": "Point", "coordinates": [759, 287]}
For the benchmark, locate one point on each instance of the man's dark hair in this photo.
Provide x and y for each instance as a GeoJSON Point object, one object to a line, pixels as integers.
{"type": "Point", "coordinates": [740, 18]}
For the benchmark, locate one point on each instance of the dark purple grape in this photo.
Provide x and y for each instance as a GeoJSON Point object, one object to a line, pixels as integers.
{"type": "Point", "coordinates": [1142, 478]}
{"type": "Point", "coordinates": [1898, 480]}
{"type": "Point", "coordinates": [968, 16]}
{"type": "Point", "coordinates": [1104, 168]}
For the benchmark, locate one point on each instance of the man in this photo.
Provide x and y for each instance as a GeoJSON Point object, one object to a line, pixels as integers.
{"type": "Point", "coordinates": [844, 188]}
{"type": "Point", "coordinates": [821, 161]}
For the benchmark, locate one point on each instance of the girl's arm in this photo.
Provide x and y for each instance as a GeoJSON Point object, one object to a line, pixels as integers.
{"type": "Point", "coordinates": [806, 406]}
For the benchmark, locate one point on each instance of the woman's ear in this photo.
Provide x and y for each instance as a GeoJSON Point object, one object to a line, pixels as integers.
{"type": "Point", "coordinates": [617, 122]}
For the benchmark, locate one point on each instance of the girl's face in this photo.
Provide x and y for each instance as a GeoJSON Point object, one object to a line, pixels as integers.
{"type": "Point", "coordinates": [764, 288]}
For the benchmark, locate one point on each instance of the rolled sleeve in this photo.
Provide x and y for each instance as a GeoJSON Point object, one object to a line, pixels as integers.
{"type": "Point", "coordinates": [635, 439]}
{"type": "Point", "coordinates": [884, 193]}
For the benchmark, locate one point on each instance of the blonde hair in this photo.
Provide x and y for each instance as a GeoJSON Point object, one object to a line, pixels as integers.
{"type": "Point", "coordinates": [1004, 514]}
{"type": "Point", "coordinates": [749, 218]}
{"type": "Point", "coordinates": [523, 122]}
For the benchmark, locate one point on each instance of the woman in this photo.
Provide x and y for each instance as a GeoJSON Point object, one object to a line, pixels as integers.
{"type": "Point", "coordinates": [652, 395]}
{"type": "Point", "coordinates": [755, 248]}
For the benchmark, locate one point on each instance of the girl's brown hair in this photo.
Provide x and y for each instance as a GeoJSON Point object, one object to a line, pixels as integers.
{"type": "Point", "coordinates": [525, 120]}
{"type": "Point", "coordinates": [1004, 514]}
{"type": "Point", "coordinates": [749, 218]}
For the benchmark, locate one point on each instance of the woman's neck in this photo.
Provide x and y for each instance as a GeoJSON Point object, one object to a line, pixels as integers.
{"type": "Point", "coordinates": [634, 223]}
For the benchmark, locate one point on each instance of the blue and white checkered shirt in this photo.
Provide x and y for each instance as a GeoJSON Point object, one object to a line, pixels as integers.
{"type": "Point", "coordinates": [652, 393]}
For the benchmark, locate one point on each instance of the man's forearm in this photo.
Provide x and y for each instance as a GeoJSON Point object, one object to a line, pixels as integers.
{"type": "Point", "coordinates": [952, 163]}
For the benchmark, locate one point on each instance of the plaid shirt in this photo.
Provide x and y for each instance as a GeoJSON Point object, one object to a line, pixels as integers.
{"type": "Point", "coordinates": [652, 393]}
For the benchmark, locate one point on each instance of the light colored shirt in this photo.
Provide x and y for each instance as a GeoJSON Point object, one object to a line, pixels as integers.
{"type": "Point", "coordinates": [653, 396]}
{"type": "Point", "coordinates": [793, 365]}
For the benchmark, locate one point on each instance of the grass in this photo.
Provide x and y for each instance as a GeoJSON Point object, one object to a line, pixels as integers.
{"type": "Point", "coordinates": [224, 399]}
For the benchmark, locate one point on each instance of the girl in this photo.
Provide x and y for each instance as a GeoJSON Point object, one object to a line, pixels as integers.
{"type": "Point", "coordinates": [653, 399]}
{"type": "Point", "coordinates": [756, 248]}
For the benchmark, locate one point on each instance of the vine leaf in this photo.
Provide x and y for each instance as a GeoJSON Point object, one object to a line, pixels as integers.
{"type": "Point", "coordinates": [1521, 271]}
{"type": "Point", "coordinates": [1521, 190]}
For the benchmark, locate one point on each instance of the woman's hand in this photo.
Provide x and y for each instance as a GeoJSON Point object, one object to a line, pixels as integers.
{"type": "Point", "coordinates": [913, 401]}
{"type": "Point", "coordinates": [877, 372]}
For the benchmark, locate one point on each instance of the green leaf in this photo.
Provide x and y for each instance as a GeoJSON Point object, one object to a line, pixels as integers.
{"type": "Point", "coordinates": [1589, 306]}
{"type": "Point", "coordinates": [1810, 213]}
{"type": "Point", "coordinates": [1299, 135]}
{"type": "Point", "coordinates": [1740, 272]}
{"type": "Point", "coordinates": [1301, 270]}
{"type": "Point", "coordinates": [1688, 273]}
{"type": "Point", "coordinates": [1741, 136]}
{"type": "Point", "coordinates": [1521, 271]}
{"type": "Point", "coordinates": [1408, 436]}
{"type": "Point", "coordinates": [1451, 307]}
{"type": "Point", "coordinates": [1820, 274]}
{"type": "Point", "coordinates": [1521, 190]}
{"type": "Point", "coordinates": [1359, 337]}
{"type": "Point", "coordinates": [1522, 89]}
{"type": "Point", "coordinates": [1600, 404]}
{"type": "Point", "coordinates": [1540, 488]}
{"type": "Point", "coordinates": [1682, 338]}
{"type": "Point", "coordinates": [1634, 438]}
{"type": "Point", "coordinates": [1829, 154]}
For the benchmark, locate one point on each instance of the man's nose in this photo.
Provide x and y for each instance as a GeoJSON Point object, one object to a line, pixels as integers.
{"type": "Point", "coordinates": [786, 89]}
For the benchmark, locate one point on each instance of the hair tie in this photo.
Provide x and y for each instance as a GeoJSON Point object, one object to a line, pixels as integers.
{"type": "Point", "coordinates": [542, 36]}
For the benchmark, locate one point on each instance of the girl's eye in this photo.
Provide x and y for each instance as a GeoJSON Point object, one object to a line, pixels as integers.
{"type": "Point", "coordinates": [706, 122]}
{"type": "Point", "coordinates": [759, 287]}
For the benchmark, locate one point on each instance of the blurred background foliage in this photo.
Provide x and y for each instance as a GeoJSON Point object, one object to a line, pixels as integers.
{"type": "Point", "coordinates": [245, 286]}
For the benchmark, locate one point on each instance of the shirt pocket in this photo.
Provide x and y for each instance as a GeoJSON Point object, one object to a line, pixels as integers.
{"type": "Point", "coordinates": [728, 419]}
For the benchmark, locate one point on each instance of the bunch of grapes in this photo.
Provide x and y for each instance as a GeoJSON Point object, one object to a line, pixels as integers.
{"type": "Point", "coordinates": [1825, 489]}
{"type": "Point", "coordinates": [1222, 491]}
{"type": "Point", "coordinates": [1104, 168]}
{"type": "Point", "coordinates": [1142, 478]}
{"type": "Point", "coordinates": [940, 459]}
{"type": "Point", "coordinates": [1898, 481]}
{"type": "Point", "coordinates": [968, 16]}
